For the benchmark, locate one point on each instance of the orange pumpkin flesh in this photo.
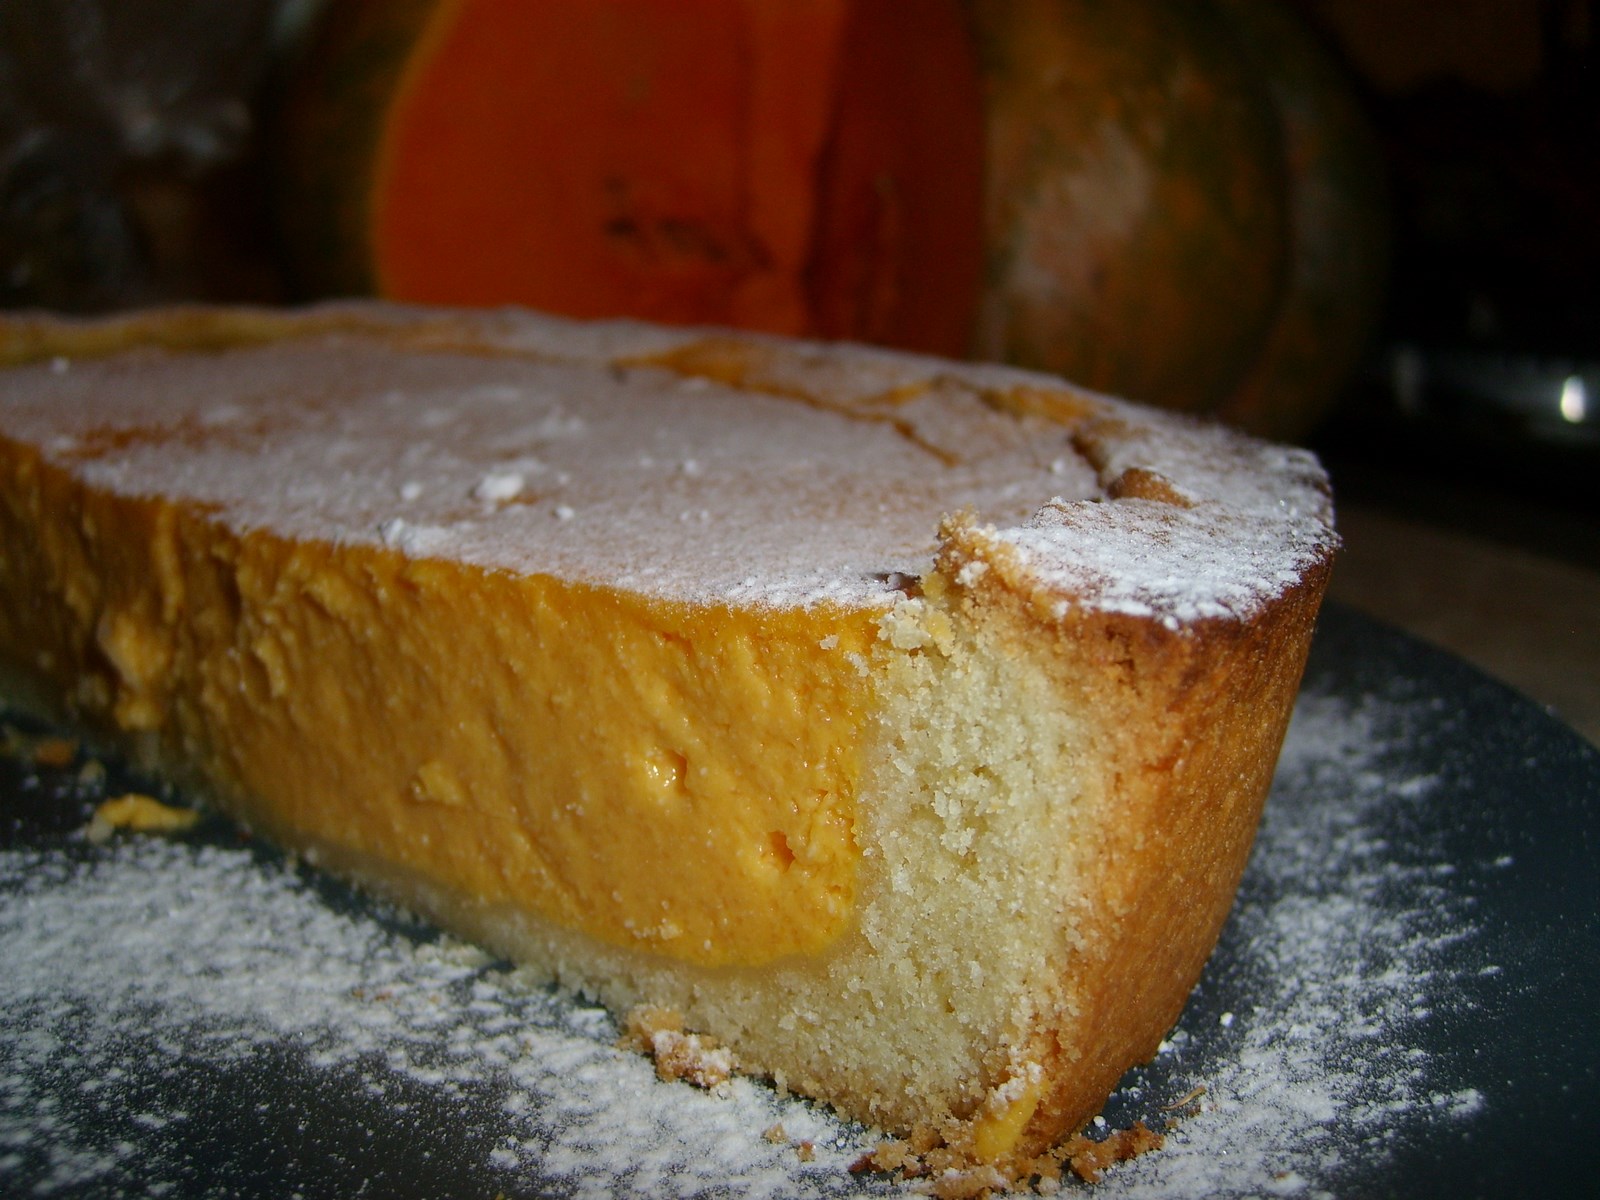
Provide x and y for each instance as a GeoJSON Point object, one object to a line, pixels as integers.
{"type": "Point", "coordinates": [899, 243]}
{"type": "Point", "coordinates": [692, 161]}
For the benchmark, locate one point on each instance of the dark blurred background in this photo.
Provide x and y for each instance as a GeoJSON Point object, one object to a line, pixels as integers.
{"type": "Point", "coordinates": [1483, 387]}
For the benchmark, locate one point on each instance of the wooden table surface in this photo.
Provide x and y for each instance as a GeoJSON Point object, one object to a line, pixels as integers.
{"type": "Point", "coordinates": [1529, 620]}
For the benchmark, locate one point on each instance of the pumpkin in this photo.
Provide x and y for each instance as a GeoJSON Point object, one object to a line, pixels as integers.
{"type": "Point", "coordinates": [1338, 229]}
{"type": "Point", "coordinates": [1134, 189]}
{"type": "Point", "coordinates": [807, 168]}
{"type": "Point", "coordinates": [1173, 200]}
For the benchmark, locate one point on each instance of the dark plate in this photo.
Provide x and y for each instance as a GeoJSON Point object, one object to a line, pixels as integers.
{"type": "Point", "coordinates": [1406, 1002]}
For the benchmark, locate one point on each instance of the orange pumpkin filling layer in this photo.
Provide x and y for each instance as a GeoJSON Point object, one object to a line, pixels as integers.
{"type": "Point", "coordinates": [558, 747]}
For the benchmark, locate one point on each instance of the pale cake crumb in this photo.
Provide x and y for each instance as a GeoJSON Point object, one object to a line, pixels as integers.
{"type": "Point", "coordinates": [138, 813]}
{"type": "Point", "coordinates": [690, 1057]}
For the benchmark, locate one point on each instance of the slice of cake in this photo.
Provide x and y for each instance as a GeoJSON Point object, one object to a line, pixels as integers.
{"type": "Point", "coordinates": [899, 723]}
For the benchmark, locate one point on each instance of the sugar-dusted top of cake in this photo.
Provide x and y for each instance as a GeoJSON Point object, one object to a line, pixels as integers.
{"type": "Point", "coordinates": [703, 467]}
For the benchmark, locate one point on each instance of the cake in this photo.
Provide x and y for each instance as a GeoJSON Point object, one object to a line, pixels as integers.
{"type": "Point", "coordinates": [902, 725]}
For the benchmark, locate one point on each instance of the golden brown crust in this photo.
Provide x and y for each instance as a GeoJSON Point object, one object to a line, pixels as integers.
{"type": "Point", "coordinates": [1189, 723]}
{"type": "Point", "coordinates": [1193, 721]}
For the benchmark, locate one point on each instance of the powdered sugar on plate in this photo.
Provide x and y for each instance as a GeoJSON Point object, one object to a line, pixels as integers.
{"type": "Point", "coordinates": [203, 1018]}
{"type": "Point", "coordinates": [141, 982]}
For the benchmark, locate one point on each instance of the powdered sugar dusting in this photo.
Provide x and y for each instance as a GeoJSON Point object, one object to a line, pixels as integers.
{"type": "Point", "coordinates": [1148, 559]}
{"type": "Point", "coordinates": [162, 960]}
{"type": "Point", "coordinates": [1254, 518]}
{"type": "Point", "coordinates": [160, 997]}
{"type": "Point", "coordinates": [521, 445]}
